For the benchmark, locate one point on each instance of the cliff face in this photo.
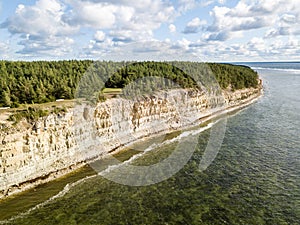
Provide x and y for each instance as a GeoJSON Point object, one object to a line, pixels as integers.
{"type": "Point", "coordinates": [60, 141]}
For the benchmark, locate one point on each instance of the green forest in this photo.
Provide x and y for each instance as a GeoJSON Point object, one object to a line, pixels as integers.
{"type": "Point", "coordinates": [46, 81]}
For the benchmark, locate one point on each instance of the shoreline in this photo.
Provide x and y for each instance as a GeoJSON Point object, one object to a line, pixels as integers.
{"type": "Point", "coordinates": [31, 184]}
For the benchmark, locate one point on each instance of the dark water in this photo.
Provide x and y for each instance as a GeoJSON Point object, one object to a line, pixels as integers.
{"type": "Point", "coordinates": [255, 178]}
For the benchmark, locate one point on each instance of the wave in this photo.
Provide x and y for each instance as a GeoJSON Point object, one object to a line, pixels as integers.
{"type": "Point", "coordinates": [69, 186]}
{"type": "Point", "coordinates": [183, 135]}
{"type": "Point", "coordinates": [60, 194]}
{"type": "Point", "coordinates": [277, 69]}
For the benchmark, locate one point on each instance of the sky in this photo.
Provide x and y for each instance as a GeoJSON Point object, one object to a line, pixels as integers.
{"type": "Point", "coordinates": [198, 30]}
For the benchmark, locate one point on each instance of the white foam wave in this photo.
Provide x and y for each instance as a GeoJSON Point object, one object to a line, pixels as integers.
{"type": "Point", "coordinates": [63, 192]}
{"type": "Point", "coordinates": [277, 69]}
{"type": "Point", "coordinates": [185, 134]}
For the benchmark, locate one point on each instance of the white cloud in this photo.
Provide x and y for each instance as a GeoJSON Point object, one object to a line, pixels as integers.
{"type": "Point", "coordinates": [141, 50]}
{"type": "Point", "coordinates": [226, 19]}
{"type": "Point", "coordinates": [130, 15]}
{"type": "Point", "coordinates": [125, 20]}
{"type": "Point", "coordinates": [99, 16]}
{"type": "Point", "coordinates": [256, 49]}
{"type": "Point", "coordinates": [43, 18]}
{"type": "Point", "coordinates": [131, 21]}
{"type": "Point", "coordinates": [288, 24]}
{"type": "Point", "coordinates": [3, 47]}
{"type": "Point", "coordinates": [196, 22]}
{"type": "Point", "coordinates": [97, 49]}
{"type": "Point", "coordinates": [205, 3]}
{"type": "Point", "coordinates": [194, 26]}
{"type": "Point", "coordinates": [185, 5]}
{"type": "Point", "coordinates": [257, 44]}
{"type": "Point", "coordinates": [4, 50]}
{"type": "Point", "coordinates": [260, 28]}
{"type": "Point", "coordinates": [40, 28]}
{"type": "Point", "coordinates": [288, 18]}
{"type": "Point", "coordinates": [116, 42]}
{"type": "Point", "coordinates": [184, 43]}
{"type": "Point", "coordinates": [52, 46]}
{"type": "Point", "coordinates": [254, 15]}
{"type": "Point", "coordinates": [219, 36]}
{"type": "Point", "coordinates": [100, 36]}
{"type": "Point", "coordinates": [290, 48]}
{"type": "Point", "coordinates": [127, 36]}
{"type": "Point", "coordinates": [172, 28]}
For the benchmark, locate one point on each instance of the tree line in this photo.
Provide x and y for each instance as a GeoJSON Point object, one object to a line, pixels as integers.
{"type": "Point", "coordinates": [46, 81]}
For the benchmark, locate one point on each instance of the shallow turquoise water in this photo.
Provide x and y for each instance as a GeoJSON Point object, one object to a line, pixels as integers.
{"type": "Point", "coordinates": [255, 178]}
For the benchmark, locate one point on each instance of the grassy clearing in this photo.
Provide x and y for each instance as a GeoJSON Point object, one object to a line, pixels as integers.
{"type": "Point", "coordinates": [32, 112]}
{"type": "Point", "coordinates": [43, 106]}
{"type": "Point", "coordinates": [111, 92]}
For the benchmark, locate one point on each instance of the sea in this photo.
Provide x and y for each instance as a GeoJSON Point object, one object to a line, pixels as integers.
{"type": "Point", "coordinates": [253, 179]}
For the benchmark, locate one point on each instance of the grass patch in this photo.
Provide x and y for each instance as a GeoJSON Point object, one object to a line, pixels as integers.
{"type": "Point", "coordinates": [108, 93]}
{"type": "Point", "coordinates": [112, 91]}
{"type": "Point", "coordinates": [32, 114]}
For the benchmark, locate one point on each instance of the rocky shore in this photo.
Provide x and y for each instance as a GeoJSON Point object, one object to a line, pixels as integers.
{"type": "Point", "coordinates": [52, 146]}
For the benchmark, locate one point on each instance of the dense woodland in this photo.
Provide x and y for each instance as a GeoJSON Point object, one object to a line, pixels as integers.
{"type": "Point", "coordinates": [41, 81]}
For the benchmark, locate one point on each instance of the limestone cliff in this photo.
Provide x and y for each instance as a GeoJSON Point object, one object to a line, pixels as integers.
{"type": "Point", "coordinates": [32, 151]}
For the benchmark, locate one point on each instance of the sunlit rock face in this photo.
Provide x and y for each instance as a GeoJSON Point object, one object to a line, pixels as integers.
{"type": "Point", "coordinates": [30, 151]}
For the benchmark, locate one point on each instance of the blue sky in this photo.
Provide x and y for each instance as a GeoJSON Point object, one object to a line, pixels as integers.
{"type": "Point", "coordinates": [212, 30]}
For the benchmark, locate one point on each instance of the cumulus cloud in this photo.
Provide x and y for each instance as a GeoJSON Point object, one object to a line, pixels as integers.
{"type": "Point", "coordinates": [141, 50]}
{"type": "Point", "coordinates": [126, 20]}
{"type": "Point", "coordinates": [277, 15]}
{"type": "Point", "coordinates": [257, 45]}
{"type": "Point", "coordinates": [287, 25]}
{"type": "Point", "coordinates": [131, 15]}
{"type": "Point", "coordinates": [288, 18]}
{"type": "Point", "coordinates": [277, 48]}
{"type": "Point", "coordinates": [99, 16]}
{"type": "Point", "coordinates": [132, 25]}
{"type": "Point", "coordinates": [4, 50]}
{"type": "Point", "coordinates": [97, 49]}
{"type": "Point", "coordinates": [3, 47]}
{"type": "Point", "coordinates": [185, 5]}
{"type": "Point", "coordinates": [115, 42]}
{"type": "Point", "coordinates": [51, 27]}
{"type": "Point", "coordinates": [205, 3]}
{"type": "Point", "coordinates": [127, 36]}
{"type": "Point", "coordinates": [52, 46]}
{"type": "Point", "coordinates": [99, 36]}
{"type": "Point", "coordinates": [41, 28]}
{"type": "Point", "coordinates": [219, 36]}
{"type": "Point", "coordinates": [282, 31]}
{"type": "Point", "coordinates": [256, 49]}
{"type": "Point", "coordinates": [227, 19]}
{"type": "Point", "coordinates": [172, 28]}
{"type": "Point", "coordinates": [194, 26]}
{"type": "Point", "coordinates": [43, 18]}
